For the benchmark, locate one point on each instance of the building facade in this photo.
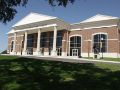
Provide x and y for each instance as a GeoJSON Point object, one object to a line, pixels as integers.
{"type": "Point", "coordinates": [38, 34]}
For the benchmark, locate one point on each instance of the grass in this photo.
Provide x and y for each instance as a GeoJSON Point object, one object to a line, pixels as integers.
{"type": "Point", "coordinates": [106, 58]}
{"type": "Point", "coordinates": [30, 74]}
{"type": "Point", "coordinates": [112, 59]}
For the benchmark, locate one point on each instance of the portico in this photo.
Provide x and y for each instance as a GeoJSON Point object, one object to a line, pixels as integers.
{"type": "Point", "coordinates": [39, 31]}
{"type": "Point", "coordinates": [39, 37]}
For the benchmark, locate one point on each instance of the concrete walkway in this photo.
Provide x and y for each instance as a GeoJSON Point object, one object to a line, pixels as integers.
{"type": "Point", "coordinates": [71, 59]}
{"type": "Point", "coordinates": [67, 59]}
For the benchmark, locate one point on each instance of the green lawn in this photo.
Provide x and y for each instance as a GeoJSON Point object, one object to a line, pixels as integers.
{"type": "Point", "coordinates": [105, 58]}
{"type": "Point", "coordinates": [30, 74]}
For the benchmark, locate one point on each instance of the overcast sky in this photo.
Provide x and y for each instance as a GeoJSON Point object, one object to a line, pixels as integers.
{"type": "Point", "coordinates": [80, 10]}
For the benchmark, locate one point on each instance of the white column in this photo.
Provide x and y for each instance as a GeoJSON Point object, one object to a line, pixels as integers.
{"type": "Point", "coordinates": [54, 52]}
{"type": "Point", "coordinates": [38, 52]}
{"type": "Point", "coordinates": [25, 44]}
{"type": "Point", "coordinates": [14, 45]}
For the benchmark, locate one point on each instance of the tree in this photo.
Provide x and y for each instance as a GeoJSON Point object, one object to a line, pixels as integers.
{"type": "Point", "coordinates": [8, 11]}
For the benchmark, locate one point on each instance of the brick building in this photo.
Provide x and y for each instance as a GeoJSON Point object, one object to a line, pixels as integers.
{"type": "Point", "coordinates": [38, 34]}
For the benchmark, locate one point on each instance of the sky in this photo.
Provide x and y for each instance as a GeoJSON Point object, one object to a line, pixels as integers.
{"type": "Point", "coordinates": [73, 13]}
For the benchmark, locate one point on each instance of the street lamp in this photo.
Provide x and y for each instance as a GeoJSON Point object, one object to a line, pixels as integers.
{"type": "Point", "coordinates": [101, 45]}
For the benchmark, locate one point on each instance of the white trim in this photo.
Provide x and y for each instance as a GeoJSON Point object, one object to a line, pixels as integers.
{"type": "Point", "coordinates": [46, 53]}
{"type": "Point", "coordinates": [16, 36]}
{"type": "Point", "coordinates": [18, 53]}
{"type": "Point", "coordinates": [88, 40]}
{"type": "Point", "coordinates": [113, 39]}
{"type": "Point", "coordinates": [39, 27]}
{"type": "Point", "coordinates": [79, 29]}
{"type": "Point", "coordinates": [54, 52]}
{"type": "Point", "coordinates": [33, 28]}
{"type": "Point", "coordinates": [100, 27]}
{"type": "Point", "coordinates": [10, 36]}
{"type": "Point", "coordinates": [63, 40]}
{"type": "Point", "coordinates": [73, 36]}
{"type": "Point", "coordinates": [25, 43]}
{"type": "Point", "coordinates": [64, 53]}
{"type": "Point", "coordinates": [38, 40]}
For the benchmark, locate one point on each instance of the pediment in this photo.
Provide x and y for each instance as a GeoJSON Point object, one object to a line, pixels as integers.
{"type": "Point", "coordinates": [99, 17]}
{"type": "Point", "coordinates": [32, 18]}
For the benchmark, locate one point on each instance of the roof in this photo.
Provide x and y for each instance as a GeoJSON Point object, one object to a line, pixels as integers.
{"type": "Point", "coordinates": [11, 31]}
{"type": "Point", "coordinates": [99, 17]}
{"type": "Point", "coordinates": [32, 18]}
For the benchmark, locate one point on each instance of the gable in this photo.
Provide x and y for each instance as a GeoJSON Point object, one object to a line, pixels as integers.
{"type": "Point", "coordinates": [99, 17]}
{"type": "Point", "coordinates": [33, 17]}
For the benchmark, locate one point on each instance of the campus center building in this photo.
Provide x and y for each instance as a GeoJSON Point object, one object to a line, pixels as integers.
{"type": "Point", "coordinates": [43, 35]}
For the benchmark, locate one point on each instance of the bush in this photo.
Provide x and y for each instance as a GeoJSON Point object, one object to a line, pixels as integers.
{"type": "Point", "coordinates": [4, 52]}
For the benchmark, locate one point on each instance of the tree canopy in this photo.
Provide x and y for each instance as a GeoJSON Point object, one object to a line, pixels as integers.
{"type": "Point", "coordinates": [8, 7]}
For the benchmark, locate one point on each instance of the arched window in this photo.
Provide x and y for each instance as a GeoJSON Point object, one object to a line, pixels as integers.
{"type": "Point", "coordinates": [75, 46]}
{"type": "Point", "coordinates": [100, 42]}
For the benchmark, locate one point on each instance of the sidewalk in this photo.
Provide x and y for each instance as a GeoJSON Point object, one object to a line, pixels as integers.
{"type": "Point", "coordinates": [67, 59]}
{"type": "Point", "coordinates": [74, 60]}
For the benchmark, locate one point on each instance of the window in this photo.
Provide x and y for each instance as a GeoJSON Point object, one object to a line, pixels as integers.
{"type": "Point", "coordinates": [30, 40]}
{"type": "Point", "coordinates": [59, 43]}
{"type": "Point", "coordinates": [75, 43]}
{"type": "Point", "coordinates": [59, 39]}
{"type": "Point", "coordinates": [35, 40]}
{"type": "Point", "coordinates": [51, 39]}
{"type": "Point", "coordinates": [100, 42]}
{"type": "Point", "coordinates": [43, 39]}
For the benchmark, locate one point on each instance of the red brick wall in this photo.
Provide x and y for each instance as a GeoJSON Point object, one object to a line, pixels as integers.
{"type": "Point", "coordinates": [87, 34]}
{"type": "Point", "coordinates": [10, 38]}
{"type": "Point", "coordinates": [19, 39]}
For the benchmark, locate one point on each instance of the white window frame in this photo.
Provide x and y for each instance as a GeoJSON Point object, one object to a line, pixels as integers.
{"type": "Point", "coordinates": [73, 36]}
{"type": "Point", "coordinates": [93, 40]}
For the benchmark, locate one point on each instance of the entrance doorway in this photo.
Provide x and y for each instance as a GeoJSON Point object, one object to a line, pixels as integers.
{"type": "Point", "coordinates": [74, 52]}
{"type": "Point", "coordinates": [75, 46]}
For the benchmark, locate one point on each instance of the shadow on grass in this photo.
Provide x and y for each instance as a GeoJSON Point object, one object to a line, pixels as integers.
{"type": "Point", "coordinates": [29, 74]}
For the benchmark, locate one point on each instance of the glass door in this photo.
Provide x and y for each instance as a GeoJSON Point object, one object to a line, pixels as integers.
{"type": "Point", "coordinates": [74, 52]}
